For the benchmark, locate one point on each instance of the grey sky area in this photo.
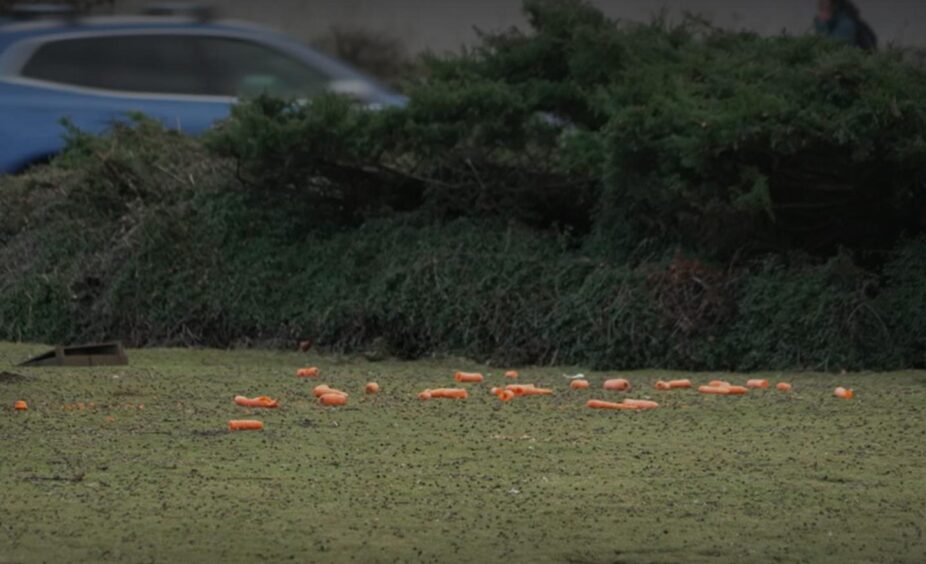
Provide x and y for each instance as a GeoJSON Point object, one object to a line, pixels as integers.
{"type": "Point", "coordinates": [446, 24]}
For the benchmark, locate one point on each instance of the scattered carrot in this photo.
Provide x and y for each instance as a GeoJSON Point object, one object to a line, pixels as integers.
{"type": "Point", "coordinates": [323, 389]}
{"type": "Point", "coordinates": [506, 395]}
{"type": "Point", "coordinates": [717, 390]}
{"type": "Point", "coordinates": [660, 385]}
{"type": "Point", "coordinates": [511, 374]}
{"type": "Point", "coordinates": [262, 401]}
{"type": "Point", "coordinates": [528, 390]}
{"type": "Point", "coordinates": [641, 404]}
{"type": "Point", "coordinates": [518, 389]}
{"type": "Point", "coordinates": [20, 405]}
{"type": "Point", "coordinates": [449, 393]}
{"type": "Point", "coordinates": [333, 398]}
{"type": "Point", "coordinates": [619, 384]}
{"type": "Point", "coordinates": [425, 395]}
{"type": "Point", "coordinates": [679, 384]}
{"type": "Point", "coordinates": [783, 387]}
{"type": "Point", "coordinates": [599, 404]}
{"type": "Point", "coordinates": [371, 388]}
{"type": "Point", "coordinates": [468, 377]}
{"type": "Point", "coordinates": [244, 425]}
{"type": "Point", "coordinates": [724, 390]}
{"type": "Point", "coordinates": [310, 372]}
{"type": "Point", "coordinates": [762, 384]}
{"type": "Point", "coordinates": [495, 391]}
{"type": "Point", "coordinates": [843, 393]}
{"type": "Point", "coordinates": [718, 383]}
{"type": "Point", "coordinates": [579, 384]}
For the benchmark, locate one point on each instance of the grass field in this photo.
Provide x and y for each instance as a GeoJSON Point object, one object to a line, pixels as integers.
{"type": "Point", "coordinates": [765, 477]}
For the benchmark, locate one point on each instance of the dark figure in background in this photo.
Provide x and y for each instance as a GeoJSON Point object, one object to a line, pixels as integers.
{"type": "Point", "coordinates": [841, 20]}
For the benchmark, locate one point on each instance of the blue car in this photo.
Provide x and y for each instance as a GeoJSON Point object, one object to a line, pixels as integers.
{"type": "Point", "coordinates": [185, 70]}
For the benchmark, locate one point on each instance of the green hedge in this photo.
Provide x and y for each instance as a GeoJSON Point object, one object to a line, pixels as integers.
{"type": "Point", "coordinates": [585, 193]}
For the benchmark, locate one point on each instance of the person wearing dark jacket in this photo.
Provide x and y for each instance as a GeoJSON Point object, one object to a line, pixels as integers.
{"type": "Point", "coordinates": [841, 20]}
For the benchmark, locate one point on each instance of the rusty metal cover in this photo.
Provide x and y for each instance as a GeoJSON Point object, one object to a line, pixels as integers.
{"type": "Point", "coordinates": [97, 354]}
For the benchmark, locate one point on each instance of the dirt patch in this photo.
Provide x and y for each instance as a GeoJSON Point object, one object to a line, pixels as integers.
{"type": "Point", "coordinates": [11, 378]}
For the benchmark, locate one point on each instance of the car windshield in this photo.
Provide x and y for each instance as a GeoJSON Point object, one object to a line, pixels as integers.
{"type": "Point", "coordinates": [178, 64]}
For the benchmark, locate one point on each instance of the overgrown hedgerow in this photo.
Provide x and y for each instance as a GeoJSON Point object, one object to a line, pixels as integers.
{"type": "Point", "coordinates": [585, 193]}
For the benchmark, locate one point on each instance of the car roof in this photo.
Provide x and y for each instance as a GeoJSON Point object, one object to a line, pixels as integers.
{"type": "Point", "coordinates": [17, 33]}
{"type": "Point", "coordinates": [12, 31]}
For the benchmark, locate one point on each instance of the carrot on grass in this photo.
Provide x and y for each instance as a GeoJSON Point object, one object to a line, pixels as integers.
{"type": "Point", "coordinates": [718, 383]}
{"type": "Point", "coordinates": [757, 383]}
{"type": "Point", "coordinates": [579, 384]}
{"type": "Point", "coordinates": [783, 387]}
{"type": "Point", "coordinates": [619, 384]}
{"type": "Point", "coordinates": [468, 377]}
{"type": "Point", "coordinates": [843, 393]}
{"type": "Point", "coordinates": [680, 384]}
{"type": "Point", "coordinates": [261, 401]}
{"type": "Point", "coordinates": [371, 388]}
{"type": "Point", "coordinates": [511, 374]}
{"type": "Point", "coordinates": [333, 399]}
{"type": "Point", "coordinates": [244, 425]}
{"type": "Point", "coordinates": [717, 390]}
{"type": "Point", "coordinates": [506, 395]}
{"type": "Point", "coordinates": [310, 372]}
{"type": "Point", "coordinates": [449, 393]}
{"type": "Point", "coordinates": [599, 404]}
{"type": "Point", "coordinates": [323, 389]}
{"type": "Point", "coordinates": [20, 405]}
{"type": "Point", "coordinates": [641, 404]}
{"type": "Point", "coordinates": [660, 385]}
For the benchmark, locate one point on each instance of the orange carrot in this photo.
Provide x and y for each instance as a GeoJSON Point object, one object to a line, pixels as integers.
{"type": "Point", "coordinates": [641, 404]}
{"type": "Point", "coordinates": [679, 384]}
{"type": "Point", "coordinates": [425, 395]}
{"type": "Point", "coordinates": [511, 374]}
{"type": "Point", "coordinates": [619, 384]}
{"type": "Point", "coordinates": [717, 390]}
{"type": "Point", "coordinates": [449, 393]}
{"type": "Point", "coordinates": [262, 401]}
{"type": "Point", "coordinates": [506, 395]}
{"type": "Point", "coordinates": [579, 384]}
{"type": "Point", "coordinates": [518, 389]}
{"type": "Point", "coordinates": [528, 390]}
{"type": "Point", "coordinates": [783, 387]}
{"type": "Point", "coordinates": [333, 398]}
{"type": "Point", "coordinates": [843, 393]}
{"type": "Point", "coordinates": [310, 372]}
{"type": "Point", "coordinates": [371, 388]}
{"type": "Point", "coordinates": [20, 405]}
{"type": "Point", "coordinates": [660, 385]}
{"type": "Point", "coordinates": [718, 383]}
{"type": "Point", "coordinates": [737, 390]}
{"type": "Point", "coordinates": [495, 391]}
{"type": "Point", "coordinates": [763, 384]}
{"type": "Point", "coordinates": [323, 389]}
{"type": "Point", "coordinates": [599, 404]}
{"type": "Point", "coordinates": [244, 425]}
{"type": "Point", "coordinates": [468, 377]}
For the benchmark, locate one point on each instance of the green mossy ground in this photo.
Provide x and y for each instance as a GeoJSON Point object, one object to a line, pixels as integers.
{"type": "Point", "coordinates": [765, 477]}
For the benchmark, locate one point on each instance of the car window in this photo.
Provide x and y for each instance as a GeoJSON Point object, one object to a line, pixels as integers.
{"type": "Point", "coordinates": [131, 63]}
{"type": "Point", "coordinates": [237, 67]}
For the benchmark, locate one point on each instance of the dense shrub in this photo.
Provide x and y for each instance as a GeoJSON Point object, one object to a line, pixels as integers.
{"type": "Point", "coordinates": [586, 193]}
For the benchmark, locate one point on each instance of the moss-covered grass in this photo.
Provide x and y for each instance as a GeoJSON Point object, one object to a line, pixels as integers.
{"type": "Point", "coordinates": [765, 477]}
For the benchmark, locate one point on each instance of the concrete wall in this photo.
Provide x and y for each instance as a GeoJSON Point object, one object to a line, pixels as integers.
{"type": "Point", "coordinates": [446, 24]}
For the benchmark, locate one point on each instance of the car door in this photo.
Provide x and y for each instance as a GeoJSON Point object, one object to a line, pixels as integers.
{"type": "Point", "coordinates": [94, 79]}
